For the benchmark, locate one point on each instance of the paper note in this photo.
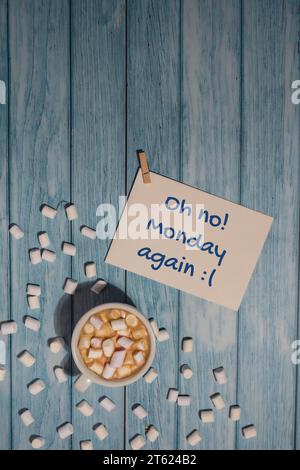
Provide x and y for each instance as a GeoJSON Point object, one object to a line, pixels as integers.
{"type": "Point", "coordinates": [189, 239]}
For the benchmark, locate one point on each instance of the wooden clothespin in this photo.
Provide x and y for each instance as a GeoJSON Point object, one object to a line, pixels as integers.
{"type": "Point", "coordinates": [144, 166]}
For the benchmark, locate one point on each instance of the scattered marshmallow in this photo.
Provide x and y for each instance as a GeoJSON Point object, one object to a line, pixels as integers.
{"type": "Point", "coordinates": [96, 322]}
{"type": "Point", "coordinates": [86, 445]}
{"type": "Point", "coordinates": [65, 430]}
{"type": "Point", "coordinates": [9, 327]}
{"type": "Point", "coordinates": [124, 342]}
{"type": "Point", "coordinates": [71, 211]}
{"type": "Point", "coordinates": [48, 211]}
{"type": "Point", "coordinates": [90, 269]}
{"type": "Point", "coordinates": [16, 231]}
{"type": "Point", "coordinates": [187, 345]}
{"type": "Point", "coordinates": [27, 417]}
{"type": "Point", "coordinates": [35, 255]}
{"type": "Point", "coordinates": [152, 433]}
{"type": "Point", "coordinates": [33, 302]}
{"type": "Point", "coordinates": [118, 324]}
{"type": "Point", "coordinates": [248, 432]}
{"type": "Point", "coordinates": [137, 442]}
{"type": "Point", "coordinates": [70, 286]}
{"type": "Point", "coordinates": [172, 395]}
{"type": "Point", "coordinates": [2, 373]}
{"type": "Point", "coordinates": [186, 371]}
{"type": "Point", "coordinates": [163, 335]}
{"type": "Point", "coordinates": [69, 249]}
{"type": "Point", "coordinates": [235, 413]}
{"type": "Point", "coordinates": [33, 289]}
{"type": "Point", "coordinates": [217, 401]}
{"type": "Point", "coordinates": [37, 442]}
{"type": "Point", "coordinates": [56, 344]}
{"type": "Point", "coordinates": [95, 353]}
{"type": "Point", "coordinates": [36, 386]}
{"type": "Point", "coordinates": [82, 383]}
{"type": "Point", "coordinates": [60, 374]}
{"type": "Point", "coordinates": [118, 358]}
{"type": "Point", "coordinates": [44, 239]}
{"type": "Point", "coordinates": [26, 358]}
{"type": "Point", "coordinates": [139, 358]}
{"type": "Point", "coordinates": [99, 285]}
{"type": "Point", "coordinates": [85, 408]}
{"type": "Point", "coordinates": [48, 255]}
{"type": "Point", "coordinates": [108, 371]}
{"type": "Point", "coordinates": [150, 375]}
{"type": "Point", "coordinates": [95, 342]}
{"type": "Point", "coordinates": [107, 404]}
{"type": "Point", "coordinates": [139, 411]}
{"type": "Point", "coordinates": [194, 438]}
{"type": "Point", "coordinates": [184, 400]}
{"type": "Point", "coordinates": [88, 232]}
{"type": "Point", "coordinates": [108, 347]}
{"type": "Point", "coordinates": [154, 327]}
{"type": "Point", "coordinates": [220, 376]}
{"type": "Point", "coordinates": [101, 431]}
{"type": "Point", "coordinates": [207, 416]}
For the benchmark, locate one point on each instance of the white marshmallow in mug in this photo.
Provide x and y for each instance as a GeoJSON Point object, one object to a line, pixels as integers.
{"type": "Point", "coordinates": [194, 438]}
{"type": "Point", "coordinates": [96, 322]}
{"type": "Point", "coordinates": [48, 255]}
{"type": "Point", "coordinates": [26, 358]}
{"type": "Point", "coordinates": [108, 371]}
{"type": "Point", "coordinates": [95, 342]}
{"type": "Point", "coordinates": [95, 353]}
{"type": "Point", "coordinates": [27, 417]}
{"type": "Point", "coordinates": [163, 335]}
{"type": "Point", "coordinates": [140, 411]}
{"type": "Point", "coordinates": [86, 445]}
{"type": "Point", "coordinates": [33, 289]}
{"type": "Point", "coordinates": [217, 401]}
{"type": "Point", "coordinates": [101, 431]}
{"type": "Point", "coordinates": [108, 347]}
{"type": "Point", "coordinates": [118, 324]}
{"type": "Point", "coordinates": [16, 231]}
{"type": "Point", "coordinates": [33, 302]}
{"type": "Point", "coordinates": [48, 211]}
{"type": "Point", "coordinates": [186, 371]}
{"type": "Point", "coordinates": [71, 212]}
{"type": "Point", "coordinates": [172, 395]}
{"type": "Point", "coordinates": [124, 342]}
{"type": "Point", "coordinates": [137, 442]}
{"type": "Point", "coordinates": [44, 239]}
{"type": "Point", "coordinates": [139, 358]}
{"type": "Point", "coordinates": [90, 269]}
{"type": "Point", "coordinates": [56, 344]}
{"type": "Point", "coordinates": [60, 374]}
{"type": "Point", "coordinates": [2, 373]}
{"type": "Point", "coordinates": [36, 386]}
{"type": "Point", "coordinates": [235, 413]}
{"type": "Point", "coordinates": [98, 286]}
{"type": "Point", "coordinates": [150, 375]}
{"type": "Point", "coordinates": [152, 433]}
{"type": "Point", "coordinates": [184, 400]}
{"type": "Point", "coordinates": [220, 376]}
{"type": "Point", "coordinates": [69, 249]}
{"type": "Point", "coordinates": [82, 384]}
{"type": "Point", "coordinates": [118, 358]}
{"type": "Point", "coordinates": [107, 404]}
{"type": "Point", "coordinates": [88, 232]}
{"type": "Point", "coordinates": [187, 345]}
{"type": "Point", "coordinates": [9, 327]}
{"type": "Point", "coordinates": [85, 408]}
{"type": "Point", "coordinates": [35, 256]}
{"type": "Point", "coordinates": [65, 430]}
{"type": "Point", "coordinates": [207, 416]}
{"type": "Point", "coordinates": [96, 367]}
{"type": "Point", "coordinates": [32, 323]}
{"type": "Point", "coordinates": [70, 286]}
{"type": "Point", "coordinates": [37, 442]}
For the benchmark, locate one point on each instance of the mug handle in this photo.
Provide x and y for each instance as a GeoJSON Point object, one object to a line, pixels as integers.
{"type": "Point", "coordinates": [82, 383]}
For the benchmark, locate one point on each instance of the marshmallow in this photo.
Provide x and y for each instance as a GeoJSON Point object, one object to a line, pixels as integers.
{"type": "Point", "coordinates": [26, 358]}
{"type": "Point", "coordinates": [150, 375]}
{"type": "Point", "coordinates": [139, 332]}
{"type": "Point", "coordinates": [123, 372]}
{"type": "Point", "coordinates": [187, 345]}
{"type": "Point", "coordinates": [48, 211]}
{"type": "Point", "coordinates": [172, 395]}
{"type": "Point", "coordinates": [217, 401]}
{"type": "Point", "coordinates": [84, 342]}
{"type": "Point", "coordinates": [2, 373]}
{"type": "Point", "coordinates": [117, 359]}
{"type": "Point", "coordinates": [88, 232]}
{"type": "Point", "coordinates": [207, 416]}
{"type": "Point", "coordinates": [60, 374]}
{"type": "Point", "coordinates": [96, 367]}
{"type": "Point", "coordinates": [65, 430]}
{"type": "Point", "coordinates": [85, 408]}
{"type": "Point", "coordinates": [70, 286]}
{"type": "Point", "coordinates": [35, 256]}
{"type": "Point", "coordinates": [95, 342]}
{"type": "Point", "coordinates": [69, 249]}
{"type": "Point", "coordinates": [36, 386]}
{"type": "Point", "coordinates": [96, 322]}
{"type": "Point", "coordinates": [82, 383]}
{"type": "Point", "coordinates": [152, 433]}
{"type": "Point", "coordinates": [9, 327]}
{"type": "Point", "coordinates": [48, 255]}
{"type": "Point", "coordinates": [33, 302]}
{"type": "Point", "coordinates": [71, 211]}
{"type": "Point", "coordinates": [186, 371]}
{"type": "Point", "coordinates": [124, 342]}
{"type": "Point", "coordinates": [90, 269]}
{"type": "Point", "coordinates": [95, 353]}
{"type": "Point", "coordinates": [26, 417]}
{"type": "Point", "coordinates": [98, 286]}
{"type": "Point", "coordinates": [107, 404]}
{"type": "Point", "coordinates": [32, 323]}
{"type": "Point", "coordinates": [183, 400]}
{"type": "Point", "coordinates": [37, 442]}
{"type": "Point", "coordinates": [194, 438]}
{"type": "Point", "coordinates": [108, 371]}
{"type": "Point", "coordinates": [248, 432]}
{"type": "Point", "coordinates": [16, 231]}
{"type": "Point", "coordinates": [235, 413]}
{"type": "Point", "coordinates": [43, 239]}
{"type": "Point", "coordinates": [33, 289]}
{"type": "Point", "coordinates": [139, 411]}
{"type": "Point", "coordinates": [119, 324]}
{"type": "Point", "coordinates": [163, 335]}
{"type": "Point", "coordinates": [56, 344]}
{"type": "Point", "coordinates": [154, 327]}
{"type": "Point", "coordinates": [141, 345]}
{"type": "Point", "coordinates": [86, 445]}
{"type": "Point", "coordinates": [131, 320]}
{"type": "Point", "coordinates": [137, 442]}
{"type": "Point", "coordinates": [100, 431]}
{"type": "Point", "coordinates": [139, 358]}
{"type": "Point", "coordinates": [220, 376]}
{"type": "Point", "coordinates": [88, 328]}
{"type": "Point", "coordinates": [108, 347]}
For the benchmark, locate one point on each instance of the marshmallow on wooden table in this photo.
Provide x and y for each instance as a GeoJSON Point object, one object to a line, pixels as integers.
{"type": "Point", "coordinates": [95, 342]}
{"type": "Point", "coordinates": [186, 371]}
{"type": "Point", "coordinates": [139, 358]}
{"type": "Point", "coordinates": [96, 367]}
{"type": "Point", "coordinates": [172, 395]}
{"type": "Point", "coordinates": [100, 431]}
{"type": "Point", "coordinates": [107, 404]}
{"type": "Point", "coordinates": [90, 269]}
{"type": "Point", "coordinates": [154, 327]}
{"type": "Point", "coordinates": [71, 211]}
{"type": "Point", "coordinates": [220, 376]}
{"type": "Point", "coordinates": [96, 322]}
{"type": "Point", "coordinates": [207, 416]}
{"type": "Point", "coordinates": [194, 438]}
{"type": "Point", "coordinates": [36, 386]}
{"type": "Point", "coordinates": [137, 442]}
{"type": "Point", "coordinates": [124, 342]}
{"type": "Point", "coordinates": [108, 347]}
{"type": "Point", "coordinates": [88, 232]}
{"type": "Point", "coordinates": [26, 358]}
{"type": "Point", "coordinates": [35, 255]}
{"type": "Point", "coordinates": [187, 344]}
{"type": "Point", "coordinates": [118, 358]}
{"type": "Point", "coordinates": [152, 433]}
{"type": "Point", "coordinates": [150, 375]}
{"type": "Point", "coordinates": [56, 344]}
{"type": "Point", "coordinates": [69, 249]}
{"type": "Point", "coordinates": [60, 374]}
{"type": "Point", "coordinates": [118, 324]}
{"type": "Point", "coordinates": [70, 286]}
{"type": "Point", "coordinates": [26, 417]}
{"type": "Point", "coordinates": [48, 255]}
{"type": "Point", "coordinates": [95, 353]}
{"type": "Point", "coordinates": [37, 442]}
{"type": "Point", "coordinates": [235, 413]}
{"type": "Point", "coordinates": [32, 323]}
{"type": "Point", "coordinates": [43, 239]}
{"type": "Point", "coordinates": [184, 400]}
{"type": "Point", "coordinates": [217, 401]}
{"type": "Point", "coordinates": [85, 408]}
{"type": "Point", "coordinates": [48, 211]}
{"type": "Point", "coordinates": [33, 302]}
{"type": "Point", "coordinates": [82, 383]}
{"type": "Point", "coordinates": [9, 327]}
{"type": "Point", "coordinates": [98, 286]}
{"type": "Point", "coordinates": [108, 371]}
{"type": "Point", "coordinates": [16, 231]}
{"type": "Point", "coordinates": [33, 289]}
{"type": "Point", "coordinates": [65, 430]}
{"type": "Point", "coordinates": [248, 432]}
{"type": "Point", "coordinates": [86, 445]}
{"type": "Point", "coordinates": [2, 373]}
{"type": "Point", "coordinates": [163, 335]}
{"type": "Point", "coordinates": [139, 411]}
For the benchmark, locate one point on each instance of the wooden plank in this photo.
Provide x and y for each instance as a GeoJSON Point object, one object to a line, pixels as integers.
{"type": "Point", "coordinates": [270, 183]}
{"type": "Point", "coordinates": [210, 158]}
{"type": "Point", "coordinates": [98, 170]}
{"type": "Point", "coordinates": [39, 173]}
{"type": "Point", "coordinates": [153, 124]}
{"type": "Point", "coordinates": [5, 402]}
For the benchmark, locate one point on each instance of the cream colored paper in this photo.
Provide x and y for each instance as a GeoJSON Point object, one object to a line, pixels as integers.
{"type": "Point", "coordinates": [205, 271]}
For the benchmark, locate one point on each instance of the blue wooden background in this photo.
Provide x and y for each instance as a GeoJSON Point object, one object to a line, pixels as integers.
{"type": "Point", "coordinates": [205, 87]}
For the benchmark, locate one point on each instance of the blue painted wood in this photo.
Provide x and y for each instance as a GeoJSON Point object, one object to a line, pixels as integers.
{"type": "Point", "coordinates": [5, 410]}
{"type": "Point", "coordinates": [39, 173]}
{"type": "Point", "coordinates": [210, 161]}
{"type": "Point", "coordinates": [98, 171]}
{"type": "Point", "coordinates": [270, 183]}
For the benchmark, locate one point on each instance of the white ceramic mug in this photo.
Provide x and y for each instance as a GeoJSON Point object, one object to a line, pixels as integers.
{"type": "Point", "coordinates": [87, 375]}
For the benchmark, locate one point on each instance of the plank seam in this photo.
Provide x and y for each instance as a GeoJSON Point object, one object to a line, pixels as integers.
{"type": "Point", "coordinates": [71, 196]}
{"type": "Point", "coordinates": [126, 188]}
